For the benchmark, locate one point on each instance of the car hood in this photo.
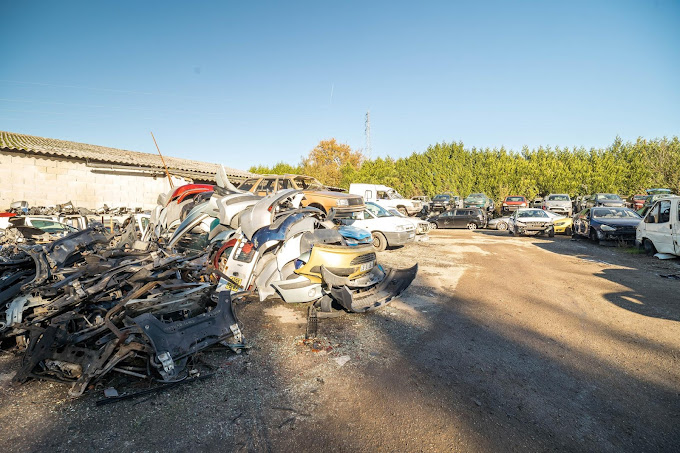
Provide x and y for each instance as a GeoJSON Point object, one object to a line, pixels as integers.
{"type": "Point", "coordinates": [557, 203]}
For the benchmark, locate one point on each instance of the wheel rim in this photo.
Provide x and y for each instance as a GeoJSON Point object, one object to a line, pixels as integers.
{"type": "Point", "coordinates": [472, 226]}
{"type": "Point", "coordinates": [502, 226]}
{"type": "Point", "coordinates": [376, 241]}
{"type": "Point", "coordinates": [433, 226]}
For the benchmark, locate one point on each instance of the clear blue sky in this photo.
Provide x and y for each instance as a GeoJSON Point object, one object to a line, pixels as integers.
{"type": "Point", "coordinates": [244, 83]}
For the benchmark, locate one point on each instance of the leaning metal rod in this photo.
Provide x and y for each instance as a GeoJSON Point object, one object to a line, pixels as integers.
{"type": "Point", "coordinates": [172, 186]}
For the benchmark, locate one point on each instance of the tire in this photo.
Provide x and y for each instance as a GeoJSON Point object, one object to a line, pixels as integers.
{"type": "Point", "coordinates": [502, 226]}
{"type": "Point", "coordinates": [402, 210]}
{"type": "Point", "coordinates": [593, 237]}
{"type": "Point", "coordinates": [649, 247]}
{"type": "Point", "coordinates": [569, 232]}
{"type": "Point", "coordinates": [472, 226]}
{"type": "Point", "coordinates": [379, 241]}
{"type": "Point", "coordinates": [551, 233]}
{"type": "Point", "coordinates": [433, 225]}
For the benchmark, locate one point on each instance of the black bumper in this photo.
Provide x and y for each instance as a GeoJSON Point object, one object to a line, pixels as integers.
{"type": "Point", "coordinates": [359, 301]}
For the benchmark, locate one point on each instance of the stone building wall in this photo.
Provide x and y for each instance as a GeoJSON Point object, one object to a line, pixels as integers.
{"type": "Point", "coordinates": [47, 181]}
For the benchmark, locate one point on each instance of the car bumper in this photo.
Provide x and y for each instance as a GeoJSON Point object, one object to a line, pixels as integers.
{"type": "Point", "coordinates": [616, 236]}
{"type": "Point", "coordinates": [400, 238]}
{"type": "Point", "coordinates": [393, 284]}
{"type": "Point", "coordinates": [511, 208]}
{"type": "Point", "coordinates": [560, 210]}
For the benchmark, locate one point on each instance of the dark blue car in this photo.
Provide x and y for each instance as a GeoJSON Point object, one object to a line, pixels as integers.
{"type": "Point", "coordinates": [606, 224]}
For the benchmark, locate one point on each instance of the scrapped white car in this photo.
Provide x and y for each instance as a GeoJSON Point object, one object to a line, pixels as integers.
{"type": "Point", "coordinates": [531, 221]}
{"type": "Point", "coordinates": [421, 226]}
{"type": "Point", "coordinates": [386, 229]}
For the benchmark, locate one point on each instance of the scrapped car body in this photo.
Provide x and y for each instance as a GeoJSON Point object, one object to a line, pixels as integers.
{"type": "Point", "coordinates": [499, 223]}
{"type": "Point", "coordinates": [513, 203]}
{"type": "Point", "coordinates": [605, 199]}
{"type": "Point", "coordinates": [531, 221]}
{"type": "Point", "coordinates": [421, 226]}
{"type": "Point", "coordinates": [387, 230]}
{"type": "Point", "coordinates": [607, 224]}
{"type": "Point", "coordinates": [444, 202]}
{"type": "Point", "coordinates": [562, 224]}
{"type": "Point", "coordinates": [659, 231]}
{"type": "Point", "coordinates": [637, 201]}
{"type": "Point", "coordinates": [386, 197]}
{"type": "Point", "coordinates": [284, 250]}
{"type": "Point", "coordinates": [316, 195]}
{"type": "Point", "coordinates": [559, 203]}
{"type": "Point", "coordinates": [479, 200]}
{"type": "Point", "coordinates": [470, 218]}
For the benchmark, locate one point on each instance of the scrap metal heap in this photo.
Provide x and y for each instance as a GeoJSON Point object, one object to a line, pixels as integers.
{"type": "Point", "coordinates": [82, 308]}
{"type": "Point", "coordinates": [94, 303]}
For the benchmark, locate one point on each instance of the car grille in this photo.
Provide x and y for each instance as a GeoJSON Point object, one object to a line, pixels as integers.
{"type": "Point", "coordinates": [361, 259]}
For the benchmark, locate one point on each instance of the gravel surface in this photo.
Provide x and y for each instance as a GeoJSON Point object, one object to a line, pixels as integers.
{"type": "Point", "coordinates": [500, 344]}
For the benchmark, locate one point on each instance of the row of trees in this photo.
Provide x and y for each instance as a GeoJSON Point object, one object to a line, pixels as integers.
{"type": "Point", "coordinates": [623, 168]}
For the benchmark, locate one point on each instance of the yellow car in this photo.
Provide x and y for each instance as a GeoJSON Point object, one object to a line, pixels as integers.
{"type": "Point", "coordinates": [563, 225]}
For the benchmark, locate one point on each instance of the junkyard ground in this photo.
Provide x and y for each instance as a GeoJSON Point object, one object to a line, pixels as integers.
{"type": "Point", "coordinates": [500, 344]}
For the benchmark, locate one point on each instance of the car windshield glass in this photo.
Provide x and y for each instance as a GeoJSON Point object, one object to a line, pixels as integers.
{"type": "Point", "coordinates": [307, 183]}
{"type": "Point", "coordinates": [377, 210]}
{"type": "Point", "coordinates": [475, 197]}
{"type": "Point", "coordinates": [532, 213]}
{"type": "Point", "coordinates": [514, 199]}
{"type": "Point", "coordinates": [558, 198]}
{"type": "Point", "coordinates": [609, 196]}
{"type": "Point", "coordinates": [394, 212]}
{"type": "Point", "coordinates": [640, 197]}
{"type": "Point", "coordinates": [614, 213]}
{"type": "Point", "coordinates": [393, 194]}
{"type": "Point", "coordinates": [442, 198]}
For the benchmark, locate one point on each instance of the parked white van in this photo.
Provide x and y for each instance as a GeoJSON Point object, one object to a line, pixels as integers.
{"type": "Point", "coordinates": [386, 197]}
{"type": "Point", "coordinates": [659, 231]}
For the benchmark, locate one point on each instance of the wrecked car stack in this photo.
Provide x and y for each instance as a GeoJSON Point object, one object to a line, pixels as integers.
{"type": "Point", "coordinates": [95, 303]}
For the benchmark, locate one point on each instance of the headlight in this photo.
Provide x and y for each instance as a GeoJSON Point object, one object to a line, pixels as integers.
{"type": "Point", "coordinates": [524, 205]}
{"type": "Point", "coordinates": [518, 223]}
{"type": "Point", "coordinates": [505, 204]}
{"type": "Point", "coordinates": [342, 202]}
{"type": "Point", "coordinates": [607, 228]}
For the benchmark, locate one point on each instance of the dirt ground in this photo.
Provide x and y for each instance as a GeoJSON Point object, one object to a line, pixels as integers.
{"type": "Point", "coordinates": [500, 344]}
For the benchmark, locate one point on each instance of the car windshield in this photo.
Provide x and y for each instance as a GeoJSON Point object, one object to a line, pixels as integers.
{"type": "Point", "coordinates": [531, 213]}
{"type": "Point", "coordinates": [609, 196]}
{"type": "Point", "coordinates": [442, 198]}
{"type": "Point", "coordinates": [396, 213]}
{"type": "Point", "coordinates": [558, 198]}
{"type": "Point", "coordinates": [309, 183]}
{"type": "Point", "coordinates": [475, 197]}
{"type": "Point", "coordinates": [514, 199]}
{"type": "Point", "coordinates": [614, 213]}
{"type": "Point", "coordinates": [377, 210]}
{"type": "Point", "coordinates": [640, 197]}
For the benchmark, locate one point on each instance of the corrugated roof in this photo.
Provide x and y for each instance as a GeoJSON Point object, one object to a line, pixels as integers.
{"type": "Point", "coordinates": [63, 148]}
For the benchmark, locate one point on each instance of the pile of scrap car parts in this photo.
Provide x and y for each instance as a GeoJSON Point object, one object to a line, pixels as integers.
{"type": "Point", "coordinates": [273, 247]}
{"type": "Point", "coordinates": [82, 308]}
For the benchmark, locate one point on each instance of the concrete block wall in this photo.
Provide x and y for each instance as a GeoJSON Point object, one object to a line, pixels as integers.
{"type": "Point", "coordinates": [47, 181]}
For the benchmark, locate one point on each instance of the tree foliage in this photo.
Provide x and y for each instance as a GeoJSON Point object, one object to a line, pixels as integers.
{"type": "Point", "coordinates": [623, 168]}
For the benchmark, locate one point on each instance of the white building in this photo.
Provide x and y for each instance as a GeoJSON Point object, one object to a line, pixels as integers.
{"type": "Point", "coordinates": [46, 172]}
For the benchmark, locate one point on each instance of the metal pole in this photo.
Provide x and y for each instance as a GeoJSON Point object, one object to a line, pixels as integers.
{"type": "Point", "coordinates": [172, 186]}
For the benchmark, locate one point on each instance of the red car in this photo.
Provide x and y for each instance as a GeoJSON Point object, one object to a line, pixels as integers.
{"type": "Point", "coordinates": [637, 201]}
{"type": "Point", "coordinates": [513, 203]}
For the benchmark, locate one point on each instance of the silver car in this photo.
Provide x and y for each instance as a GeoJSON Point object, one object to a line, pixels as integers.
{"type": "Point", "coordinates": [559, 203]}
